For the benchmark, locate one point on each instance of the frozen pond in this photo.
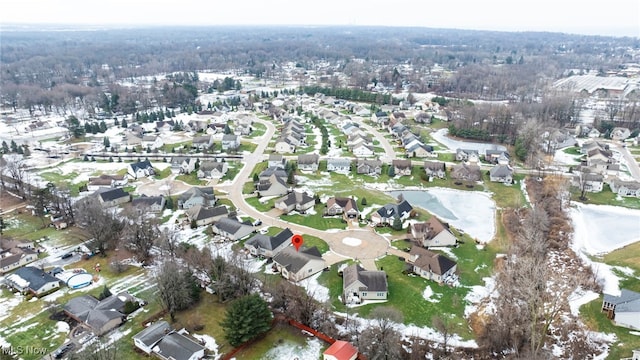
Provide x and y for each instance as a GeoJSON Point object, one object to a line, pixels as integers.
{"type": "Point", "coordinates": [600, 229]}
{"type": "Point", "coordinates": [441, 137]}
{"type": "Point", "coordinates": [471, 211]}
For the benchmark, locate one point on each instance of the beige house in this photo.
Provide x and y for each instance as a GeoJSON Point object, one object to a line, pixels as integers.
{"type": "Point", "coordinates": [360, 285]}
{"type": "Point", "coordinates": [298, 265]}
{"type": "Point", "coordinates": [430, 265]}
{"type": "Point", "coordinates": [432, 233]}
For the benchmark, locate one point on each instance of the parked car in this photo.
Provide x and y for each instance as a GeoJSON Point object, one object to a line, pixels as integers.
{"type": "Point", "coordinates": [66, 256]}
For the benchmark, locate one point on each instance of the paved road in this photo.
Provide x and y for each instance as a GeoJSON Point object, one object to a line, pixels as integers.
{"type": "Point", "coordinates": [389, 153]}
{"type": "Point", "coordinates": [362, 244]}
{"type": "Point", "coordinates": [632, 164]}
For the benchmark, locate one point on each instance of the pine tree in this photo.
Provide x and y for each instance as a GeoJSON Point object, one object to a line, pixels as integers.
{"type": "Point", "coordinates": [246, 318]}
{"type": "Point", "coordinates": [5, 147]}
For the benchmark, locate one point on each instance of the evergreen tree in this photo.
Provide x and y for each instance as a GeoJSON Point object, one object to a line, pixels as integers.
{"type": "Point", "coordinates": [363, 202]}
{"type": "Point", "coordinates": [5, 147]}
{"type": "Point", "coordinates": [105, 293]}
{"type": "Point", "coordinates": [14, 147]}
{"type": "Point", "coordinates": [103, 127]}
{"type": "Point", "coordinates": [391, 171]}
{"type": "Point", "coordinates": [246, 318]}
{"type": "Point", "coordinates": [397, 224]}
{"type": "Point", "coordinates": [115, 121]}
{"type": "Point", "coordinates": [124, 123]}
{"type": "Point", "coordinates": [106, 142]}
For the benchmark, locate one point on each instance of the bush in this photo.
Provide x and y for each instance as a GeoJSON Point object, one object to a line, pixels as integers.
{"type": "Point", "coordinates": [130, 307]}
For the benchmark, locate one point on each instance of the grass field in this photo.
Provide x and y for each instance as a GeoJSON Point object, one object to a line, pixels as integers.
{"type": "Point", "coordinates": [191, 179]}
{"type": "Point", "coordinates": [316, 221]}
{"type": "Point", "coordinates": [605, 197]}
{"type": "Point", "coordinates": [627, 256]}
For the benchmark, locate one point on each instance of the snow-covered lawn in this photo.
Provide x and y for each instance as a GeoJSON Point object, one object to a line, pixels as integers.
{"type": "Point", "coordinates": [472, 211]}
{"type": "Point", "coordinates": [440, 136]}
{"type": "Point", "coordinates": [289, 350]}
{"type": "Point", "coordinates": [349, 241]}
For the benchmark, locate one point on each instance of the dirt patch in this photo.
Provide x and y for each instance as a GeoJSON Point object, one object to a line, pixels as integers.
{"type": "Point", "coordinates": [8, 201]}
{"type": "Point", "coordinates": [163, 187]}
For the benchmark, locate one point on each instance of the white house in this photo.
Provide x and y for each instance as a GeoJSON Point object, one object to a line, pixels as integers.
{"type": "Point", "coordinates": [140, 169]}
{"type": "Point", "coordinates": [339, 165]}
{"type": "Point", "coordinates": [362, 150]}
{"type": "Point", "coordinates": [624, 310]}
{"type": "Point", "coordinates": [297, 265]}
{"type": "Point", "coordinates": [161, 340]}
{"type": "Point", "coordinates": [33, 280]}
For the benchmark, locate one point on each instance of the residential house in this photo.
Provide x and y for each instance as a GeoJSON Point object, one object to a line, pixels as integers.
{"type": "Point", "coordinates": [431, 265]}
{"type": "Point", "coordinates": [590, 145]}
{"type": "Point", "coordinates": [183, 164]}
{"type": "Point", "coordinates": [273, 170]}
{"type": "Point", "coordinates": [297, 265]}
{"type": "Point", "coordinates": [197, 124]}
{"type": "Point", "coordinates": [295, 200]}
{"type": "Point", "coordinates": [113, 197]}
{"type": "Point", "coordinates": [363, 150]}
{"type": "Point", "coordinates": [625, 188]}
{"type": "Point", "coordinates": [435, 169]}
{"type": "Point", "coordinates": [623, 309]}
{"type": "Point", "coordinates": [140, 169]}
{"type": "Point", "coordinates": [161, 340]}
{"type": "Point", "coordinates": [387, 214]}
{"type": "Point", "coordinates": [594, 133]}
{"type": "Point", "coordinates": [268, 246]}
{"type": "Point", "coordinates": [230, 142]}
{"type": "Point", "coordinates": [419, 150]}
{"type": "Point", "coordinates": [308, 162]}
{"type": "Point", "coordinates": [231, 229]}
{"type": "Point", "coordinates": [203, 196]}
{"type": "Point", "coordinates": [468, 155]}
{"type": "Point", "coordinates": [501, 173]}
{"type": "Point", "coordinates": [588, 181]}
{"type": "Point", "coordinates": [347, 207]}
{"type": "Point", "coordinates": [339, 165]}
{"type": "Point", "coordinates": [360, 285]}
{"type": "Point", "coordinates": [401, 167]}
{"type": "Point", "coordinates": [206, 215]}
{"type": "Point", "coordinates": [465, 172]}
{"type": "Point", "coordinates": [30, 279]}
{"type": "Point", "coordinates": [432, 232]}
{"type": "Point", "coordinates": [132, 139]}
{"type": "Point", "coordinates": [15, 257]}
{"type": "Point", "coordinates": [106, 181]}
{"type": "Point", "coordinates": [154, 204]}
{"type": "Point", "coordinates": [202, 142]}
{"type": "Point", "coordinates": [340, 350]}
{"type": "Point", "coordinates": [369, 167]}
{"type": "Point", "coordinates": [101, 316]}
{"type": "Point", "coordinates": [285, 145]}
{"type": "Point", "coordinates": [499, 157]}
{"type": "Point", "coordinates": [272, 186]}
{"type": "Point", "coordinates": [277, 161]}
{"type": "Point", "coordinates": [165, 126]}
{"type": "Point", "coordinates": [620, 133]}
{"type": "Point", "coordinates": [211, 169]}
{"type": "Point", "coordinates": [152, 142]}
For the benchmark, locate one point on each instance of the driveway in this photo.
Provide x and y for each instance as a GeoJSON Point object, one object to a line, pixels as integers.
{"type": "Point", "coordinates": [389, 153]}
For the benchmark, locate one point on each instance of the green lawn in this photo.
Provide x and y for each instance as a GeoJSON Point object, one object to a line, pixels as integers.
{"type": "Point", "coordinates": [597, 320]}
{"type": "Point", "coordinates": [247, 146]}
{"type": "Point", "coordinates": [279, 335]}
{"type": "Point", "coordinates": [248, 187]}
{"type": "Point", "coordinates": [627, 256]}
{"type": "Point", "coordinates": [233, 168]}
{"type": "Point", "coordinates": [506, 196]}
{"type": "Point", "coordinates": [168, 147]}
{"type": "Point", "coordinates": [316, 221]}
{"type": "Point", "coordinates": [254, 201]}
{"type": "Point", "coordinates": [572, 151]}
{"type": "Point", "coordinates": [191, 179]}
{"type": "Point", "coordinates": [311, 241]}
{"type": "Point", "coordinates": [258, 129]}
{"type": "Point", "coordinates": [58, 178]}
{"type": "Point", "coordinates": [606, 197]}
{"type": "Point", "coordinates": [448, 157]}
{"type": "Point", "coordinates": [162, 174]}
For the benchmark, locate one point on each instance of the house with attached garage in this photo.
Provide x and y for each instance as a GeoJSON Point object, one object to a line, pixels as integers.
{"type": "Point", "coordinates": [387, 214]}
{"type": "Point", "coordinates": [32, 280]}
{"type": "Point", "coordinates": [589, 181]}
{"type": "Point", "coordinates": [432, 232]}
{"type": "Point", "coordinates": [295, 200]}
{"type": "Point", "coordinates": [339, 165]}
{"type": "Point", "coordinates": [363, 150]}
{"type": "Point", "coordinates": [419, 150]}
{"type": "Point", "coordinates": [15, 257]}
{"type": "Point", "coordinates": [212, 169]}
{"type": "Point", "coordinates": [154, 204]}
{"type": "Point", "coordinates": [101, 316]}
{"type": "Point", "coordinates": [152, 142]}
{"type": "Point", "coordinates": [230, 142]}
{"type": "Point", "coordinates": [183, 164]}
{"type": "Point", "coordinates": [501, 173]}
{"type": "Point", "coordinates": [162, 341]}
{"type": "Point", "coordinates": [106, 181]}
{"type": "Point", "coordinates": [623, 309]}
{"type": "Point", "coordinates": [465, 172]}
{"type": "Point", "coordinates": [203, 196]}
{"type": "Point", "coordinates": [625, 188]}
{"type": "Point", "coordinates": [296, 265]}
{"type": "Point", "coordinates": [202, 142]}
{"type": "Point", "coordinates": [113, 197]}
{"type": "Point", "coordinates": [277, 161]}
{"type": "Point", "coordinates": [369, 167]}
{"type": "Point", "coordinates": [435, 169]}
{"type": "Point", "coordinates": [206, 215]}
{"type": "Point", "coordinates": [285, 145]}
{"type": "Point", "coordinates": [496, 157]}
{"type": "Point", "coordinates": [431, 265]}
{"type": "Point", "coordinates": [347, 207]}
{"type": "Point", "coordinates": [272, 186]}
{"type": "Point", "coordinates": [401, 167]}
{"type": "Point", "coordinates": [231, 229]}
{"type": "Point", "coordinates": [359, 285]}
{"type": "Point", "coordinates": [268, 246]}
{"type": "Point", "coordinates": [308, 162]}
{"type": "Point", "coordinates": [140, 169]}
{"type": "Point", "coordinates": [468, 155]}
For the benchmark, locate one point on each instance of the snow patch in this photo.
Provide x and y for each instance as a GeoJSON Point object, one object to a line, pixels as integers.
{"type": "Point", "coordinates": [349, 241]}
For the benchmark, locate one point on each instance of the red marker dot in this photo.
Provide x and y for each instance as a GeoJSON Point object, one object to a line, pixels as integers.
{"type": "Point", "coordinates": [297, 241]}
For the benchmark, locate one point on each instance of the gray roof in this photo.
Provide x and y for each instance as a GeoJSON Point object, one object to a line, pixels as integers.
{"type": "Point", "coordinates": [273, 170]}
{"type": "Point", "coordinates": [431, 261]}
{"type": "Point", "coordinates": [434, 165]}
{"type": "Point", "coordinates": [372, 280]}
{"type": "Point", "coordinates": [296, 197]}
{"type": "Point", "coordinates": [96, 313]}
{"type": "Point", "coordinates": [628, 301]}
{"type": "Point", "coordinates": [207, 166]}
{"type": "Point", "coordinates": [270, 242]}
{"type": "Point", "coordinates": [500, 171]}
{"type": "Point", "coordinates": [113, 194]}
{"type": "Point", "coordinates": [339, 162]}
{"type": "Point", "coordinates": [201, 212]}
{"type": "Point", "coordinates": [205, 192]}
{"type": "Point", "coordinates": [141, 165]}
{"type": "Point", "coordinates": [35, 276]}
{"type": "Point", "coordinates": [308, 159]}
{"type": "Point", "coordinates": [177, 346]}
{"type": "Point", "coordinates": [229, 137]}
{"type": "Point", "coordinates": [229, 225]}
{"type": "Point", "coordinates": [147, 200]}
{"type": "Point", "coordinates": [294, 260]}
{"type": "Point", "coordinates": [153, 333]}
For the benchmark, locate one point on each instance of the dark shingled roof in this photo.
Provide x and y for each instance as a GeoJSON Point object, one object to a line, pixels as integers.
{"type": "Point", "coordinates": [113, 194]}
{"type": "Point", "coordinates": [153, 333]}
{"type": "Point", "coordinates": [141, 165]}
{"type": "Point", "coordinates": [229, 225]}
{"type": "Point", "coordinates": [428, 260]}
{"type": "Point", "coordinates": [270, 242]}
{"type": "Point", "coordinates": [372, 280]}
{"type": "Point", "coordinates": [395, 210]}
{"type": "Point", "coordinates": [177, 346]}
{"type": "Point", "coordinates": [35, 276]}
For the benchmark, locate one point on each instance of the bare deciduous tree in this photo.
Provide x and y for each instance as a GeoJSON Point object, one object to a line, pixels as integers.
{"type": "Point", "coordinates": [382, 339]}
{"type": "Point", "coordinates": [102, 224]}
{"type": "Point", "coordinates": [174, 291]}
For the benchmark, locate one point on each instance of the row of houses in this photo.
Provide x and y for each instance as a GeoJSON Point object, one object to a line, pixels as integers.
{"type": "Point", "coordinates": [292, 136]}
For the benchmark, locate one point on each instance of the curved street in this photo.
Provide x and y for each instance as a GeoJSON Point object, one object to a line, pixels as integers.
{"type": "Point", "coordinates": [371, 244]}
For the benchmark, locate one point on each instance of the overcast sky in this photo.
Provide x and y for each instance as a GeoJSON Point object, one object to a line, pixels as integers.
{"type": "Point", "coordinates": [601, 17]}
